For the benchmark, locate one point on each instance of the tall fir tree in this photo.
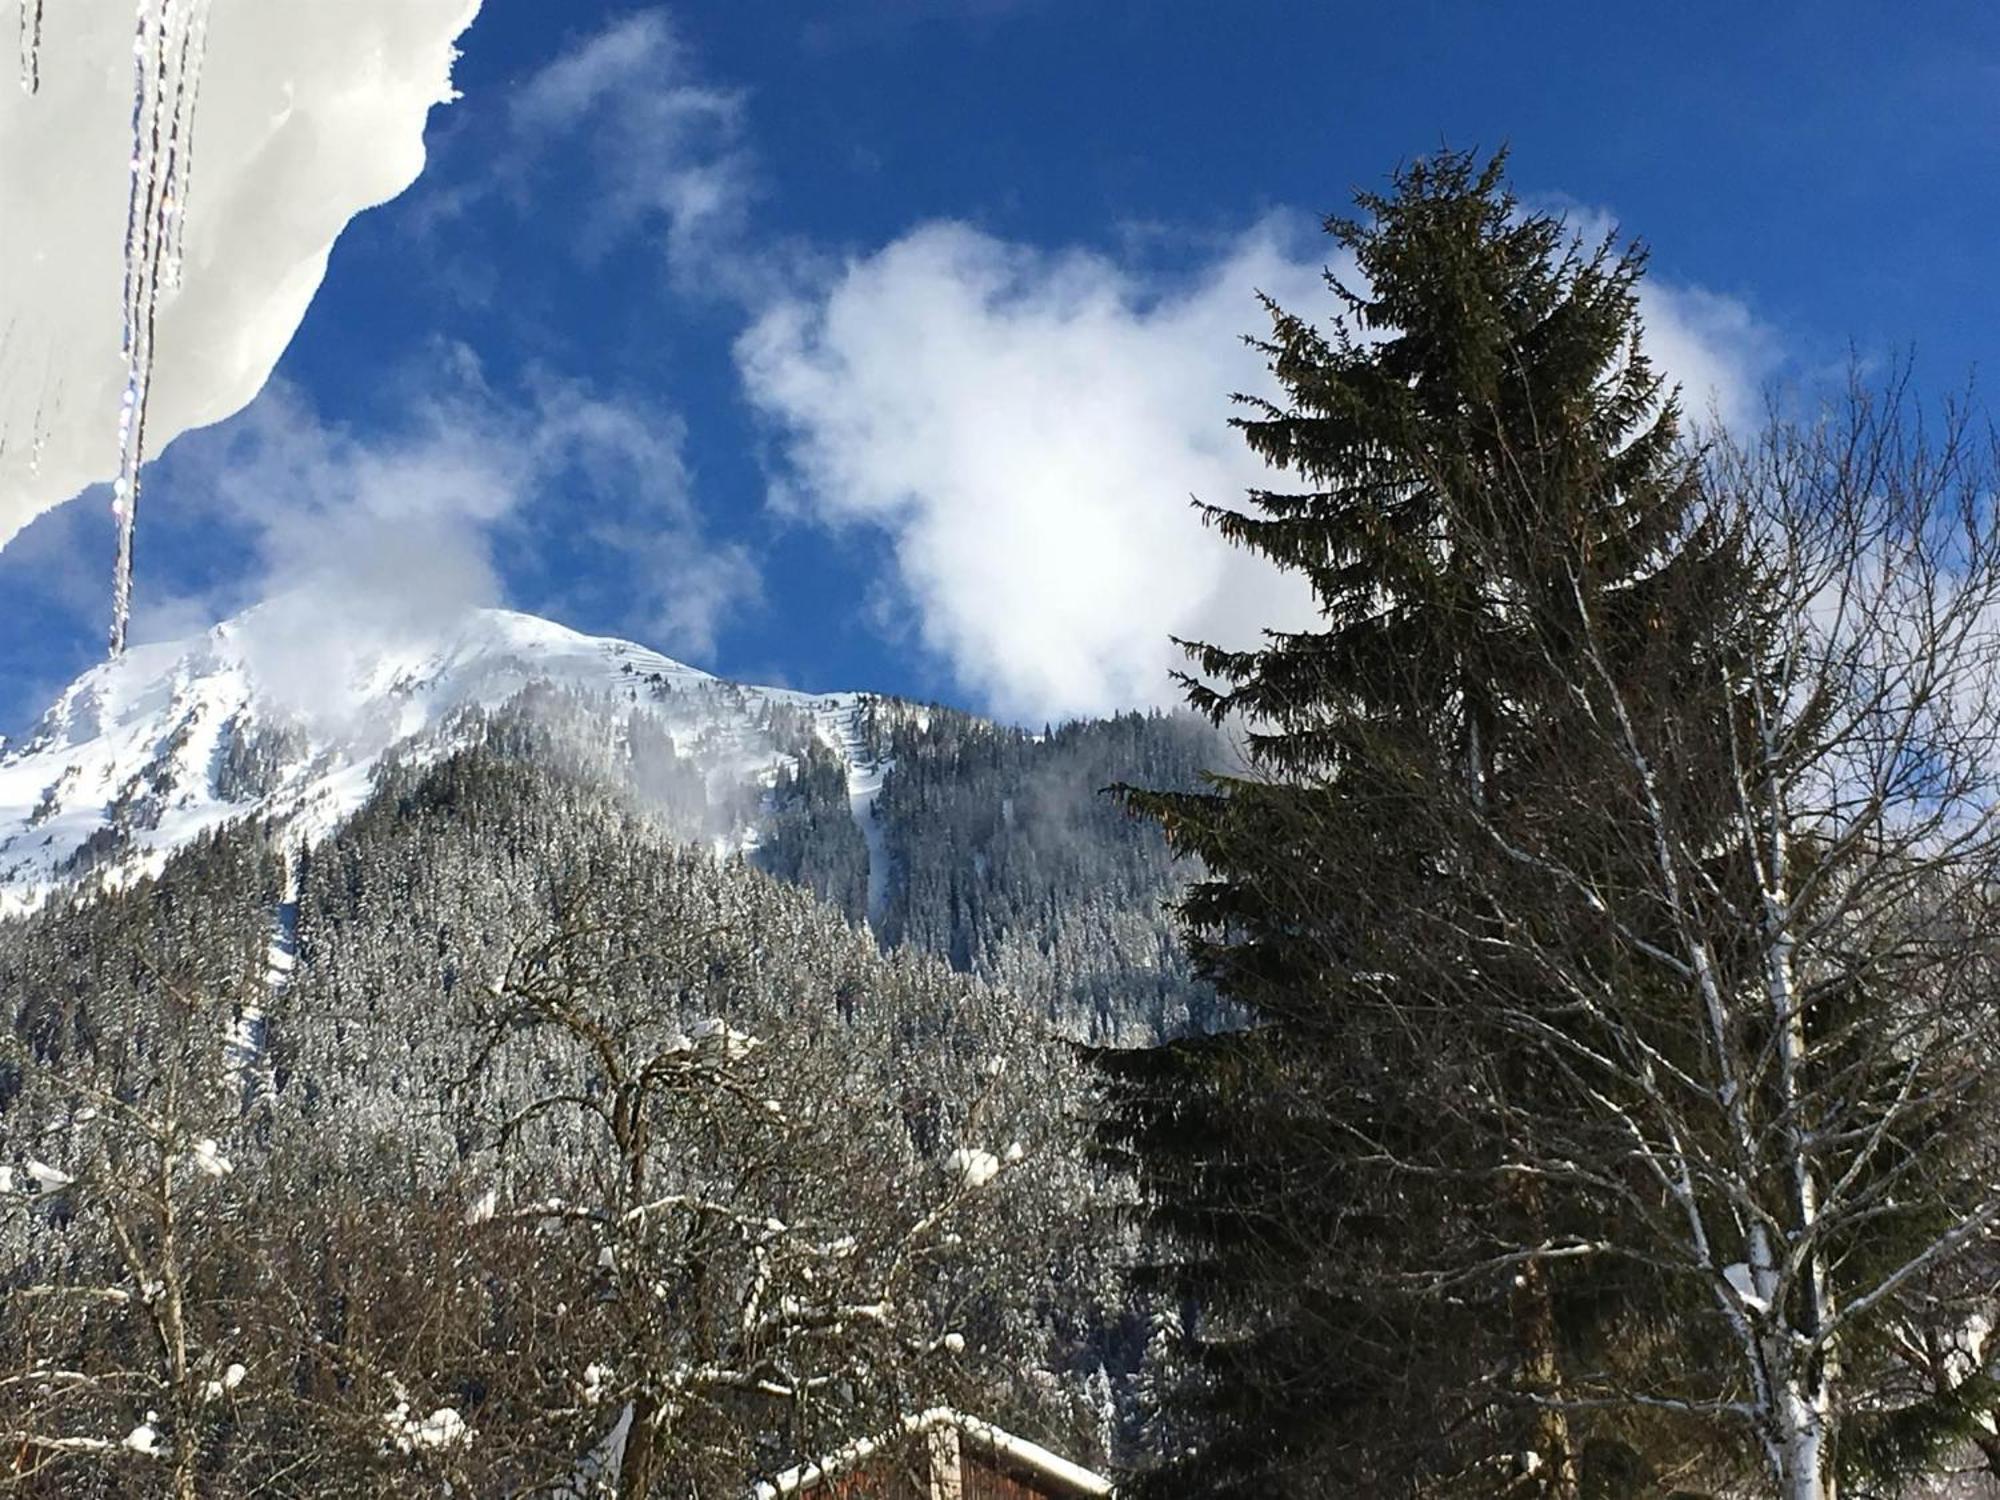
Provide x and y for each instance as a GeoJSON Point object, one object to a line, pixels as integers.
{"type": "Point", "coordinates": [1484, 450]}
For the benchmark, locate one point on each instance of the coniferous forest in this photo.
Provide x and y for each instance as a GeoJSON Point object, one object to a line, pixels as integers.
{"type": "Point", "coordinates": [518, 1114]}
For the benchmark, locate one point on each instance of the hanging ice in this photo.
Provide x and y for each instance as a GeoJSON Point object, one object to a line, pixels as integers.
{"type": "Point", "coordinates": [31, 46]}
{"type": "Point", "coordinates": [166, 67]}
{"type": "Point", "coordinates": [194, 50]}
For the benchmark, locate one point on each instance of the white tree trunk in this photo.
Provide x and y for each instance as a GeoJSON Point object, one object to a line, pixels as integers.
{"type": "Point", "coordinates": [1803, 1431]}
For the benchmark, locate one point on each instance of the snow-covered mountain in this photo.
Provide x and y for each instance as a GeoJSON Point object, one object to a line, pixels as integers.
{"type": "Point", "coordinates": [261, 716]}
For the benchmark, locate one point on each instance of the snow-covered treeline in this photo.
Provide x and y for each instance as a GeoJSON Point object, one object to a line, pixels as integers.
{"type": "Point", "coordinates": [585, 1160]}
{"type": "Point", "coordinates": [992, 847]}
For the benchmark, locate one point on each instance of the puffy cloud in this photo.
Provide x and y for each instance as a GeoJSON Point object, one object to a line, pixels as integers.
{"type": "Point", "coordinates": [661, 148]}
{"type": "Point", "coordinates": [1713, 347]}
{"type": "Point", "coordinates": [308, 113]}
{"type": "Point", "coordinates": [1029, 429]}
{"type": "Point", "coordinates": [403, 530]}
{"type": "Point", "coordinates": [1026, 429]}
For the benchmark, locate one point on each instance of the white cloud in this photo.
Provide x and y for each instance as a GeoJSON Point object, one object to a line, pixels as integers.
{"type": "Point", "coordinates": [405, 530]}
{"type": "Point", "coordinates": [620, 479]}
{"type": "Point", "coordinates": [1026, 429]}
{"type": "Point", "coordinates": [664, 145]}
{"type": "Point", "coordinates": [1711, 345]}
{"type": "Point", "coordinates": [308, 113]}
{"type": "Point", "coordinates": [362, 543]}
{"type": "Point", "coordinates": [1029, 428]}
{"type": "Point", "coordinates": [382, 528]}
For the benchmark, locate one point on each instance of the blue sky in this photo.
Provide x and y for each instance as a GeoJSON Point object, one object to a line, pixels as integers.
{"type": "Point", "coordinates": [879, 344]}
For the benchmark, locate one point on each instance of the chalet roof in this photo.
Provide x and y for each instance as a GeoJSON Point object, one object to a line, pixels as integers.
{"type": "Point", "coordinates": [1071, 1478]}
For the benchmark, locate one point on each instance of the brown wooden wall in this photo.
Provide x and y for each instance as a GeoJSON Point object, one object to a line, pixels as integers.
{"type": "Point", "coordinates": [867, 1485]}
{"type": "Point", "coordinates": [984, 1482]}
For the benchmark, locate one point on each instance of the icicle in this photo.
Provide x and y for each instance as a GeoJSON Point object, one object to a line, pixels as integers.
{"type": "Point", "coordinates": [166, 72]}
{"type": "Point", "coordinates": [31, 46]}
{"type": "Point", "coordinates": [187, 99]}
{"type": "Point", "coordinates": [38, 437]}
{"type": "Point", "coordinates": [144, 164]}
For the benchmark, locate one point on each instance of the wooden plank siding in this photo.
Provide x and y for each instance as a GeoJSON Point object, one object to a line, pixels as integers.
{"type": "Point", "coordinates": [982, 1481]}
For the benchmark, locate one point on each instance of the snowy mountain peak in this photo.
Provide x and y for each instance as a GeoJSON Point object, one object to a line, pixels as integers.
{"type": "Point", "coordinates": [273, 714]}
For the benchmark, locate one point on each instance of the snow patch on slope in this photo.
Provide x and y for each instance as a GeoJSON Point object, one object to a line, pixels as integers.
{"type": "Point", "coordinates": [243, 1039]}
{"type": "Point", "coordinates": [844, 722]}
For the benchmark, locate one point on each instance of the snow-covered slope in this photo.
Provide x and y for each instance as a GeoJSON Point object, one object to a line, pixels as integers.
{"type": "Point", "coordinates": [140, 755]}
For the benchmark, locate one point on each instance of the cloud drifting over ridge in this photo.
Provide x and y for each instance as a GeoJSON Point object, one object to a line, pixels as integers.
{"type": "Point", "coordinates": [404, 530]}
{"type": "Point", "coordinates": [1027, 428]}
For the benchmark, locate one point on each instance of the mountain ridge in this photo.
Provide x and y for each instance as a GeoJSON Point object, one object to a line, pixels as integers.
{"type": "Point", "coordinates": [261, 717]}
{"type": "Point", "coordinates": [987, 845]}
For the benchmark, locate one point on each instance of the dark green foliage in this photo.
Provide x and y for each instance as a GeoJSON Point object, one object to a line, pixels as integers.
{"type": "Point", "coordinates": [1484, 452]}
{"type": "Point", "coordinates": [810, 835]}
{"type": "Point", "coordinates": [1002, 852]}
{"type": "Point", "coordinates": [209, 924]}
{"type": "Point", "coordinates": [252, 756]}
{"type": "Point", "coordinates": [1008, 857]}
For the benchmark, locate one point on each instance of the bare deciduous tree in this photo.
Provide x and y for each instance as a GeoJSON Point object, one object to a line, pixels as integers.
{"type": "Point", "coordinates": [1742, 932]}
{"type": "Point", "coordinates": [748, 1248]}
{"type": "Point", "coordinates": [118, 1207]}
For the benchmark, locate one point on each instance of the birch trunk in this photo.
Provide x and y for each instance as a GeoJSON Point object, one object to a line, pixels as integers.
{"type": "Point", "coordinates": [1803, 1433]}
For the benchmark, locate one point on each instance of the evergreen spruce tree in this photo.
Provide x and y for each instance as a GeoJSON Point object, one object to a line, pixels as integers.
{"type": "Point", "coordinates": [1484, 450]}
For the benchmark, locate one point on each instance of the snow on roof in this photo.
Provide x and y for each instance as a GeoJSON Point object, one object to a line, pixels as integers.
{"type": "Point", "coordinates": [1017, 1452]}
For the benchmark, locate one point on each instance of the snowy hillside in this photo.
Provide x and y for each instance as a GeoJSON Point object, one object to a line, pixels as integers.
{"type": "Point", "coordinates": [141, 755]}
